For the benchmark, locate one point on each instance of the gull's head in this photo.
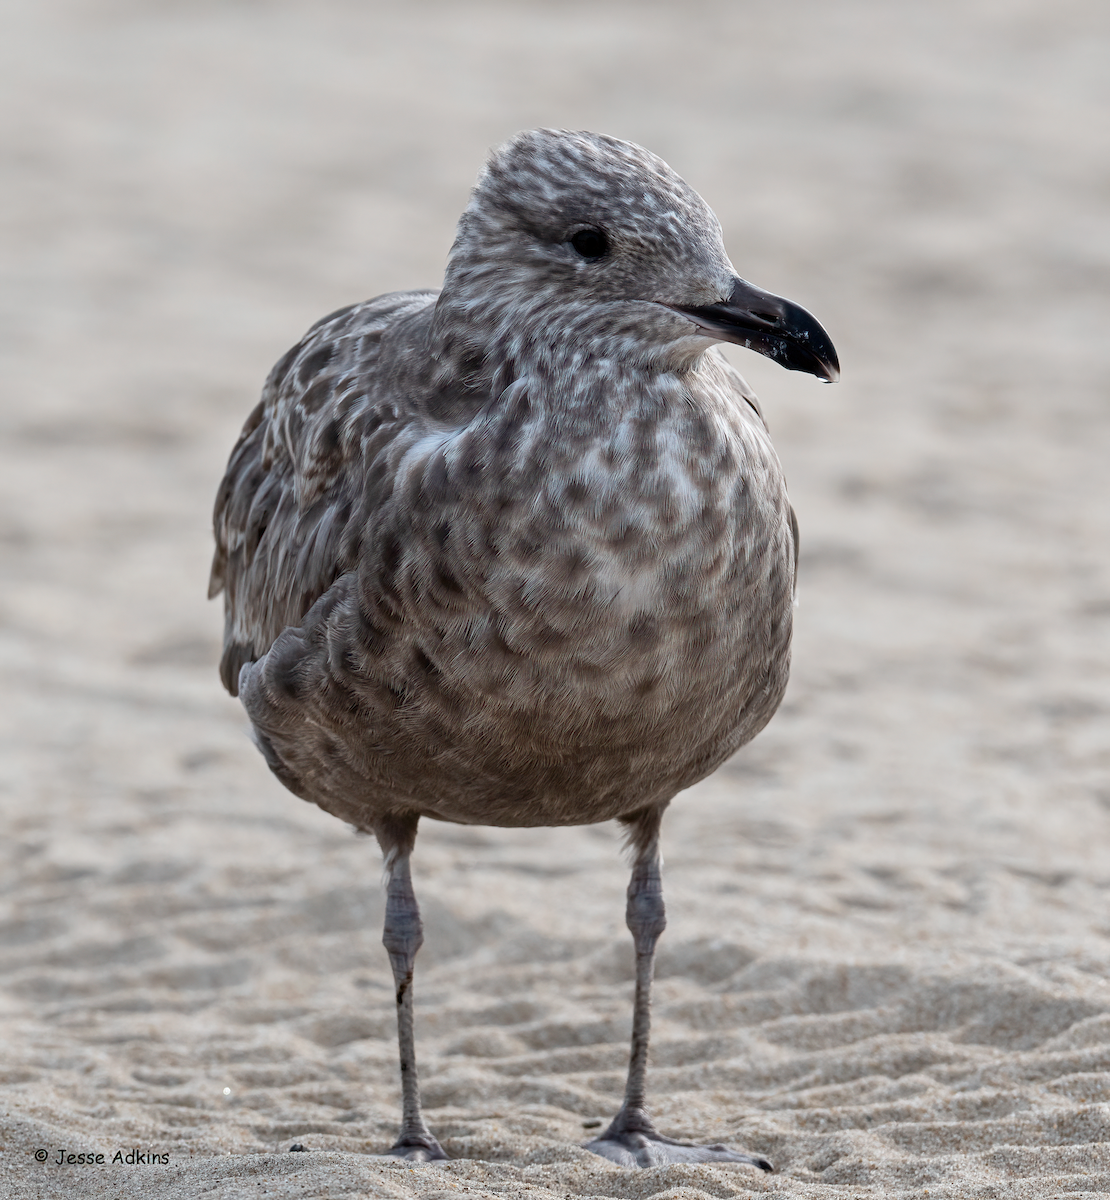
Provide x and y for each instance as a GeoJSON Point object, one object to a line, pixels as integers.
{"type": "Point", "coordinates": [586, 243]}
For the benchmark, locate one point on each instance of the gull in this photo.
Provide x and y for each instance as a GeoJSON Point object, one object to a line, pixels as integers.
{"type": "Point", "coordinates": [519, 552]}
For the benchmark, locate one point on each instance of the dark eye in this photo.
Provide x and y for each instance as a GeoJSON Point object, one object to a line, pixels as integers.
{"type": "Point", "coordinates": [590, 243]}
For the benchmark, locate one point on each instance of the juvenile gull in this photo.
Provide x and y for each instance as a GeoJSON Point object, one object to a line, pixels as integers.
{"type": "Point", "coordinates": [519, 552]}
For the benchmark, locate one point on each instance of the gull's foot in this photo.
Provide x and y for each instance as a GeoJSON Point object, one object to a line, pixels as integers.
{"type": "Point", "coordinates": [637, 1144]}
{"type": "Point", "coordinates": [417, 1148]}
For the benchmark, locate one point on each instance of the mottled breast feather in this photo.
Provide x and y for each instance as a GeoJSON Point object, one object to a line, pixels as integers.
{"type": "Point", "coordinates": [544, 606]}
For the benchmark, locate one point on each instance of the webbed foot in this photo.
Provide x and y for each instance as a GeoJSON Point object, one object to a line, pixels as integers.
{"type": "Point", "coordinates": [636, 1143]}
{"type": "Point", "coordinates": [416, 1148]}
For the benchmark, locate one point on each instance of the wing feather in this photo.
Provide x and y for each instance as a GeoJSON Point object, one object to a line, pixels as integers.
{"type": "Point", "coordinates": [297, 476]}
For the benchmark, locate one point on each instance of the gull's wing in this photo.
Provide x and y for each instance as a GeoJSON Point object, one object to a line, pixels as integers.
{"type": "Point", "coordinates": [286, 515]}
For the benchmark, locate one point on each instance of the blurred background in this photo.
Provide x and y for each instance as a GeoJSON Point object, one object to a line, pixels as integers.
{"type": "Point", "coordinates": [188, 186]}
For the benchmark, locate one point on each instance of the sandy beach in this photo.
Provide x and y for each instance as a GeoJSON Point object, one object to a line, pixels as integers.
{"type": "Point", "coordinates": [887, 965]}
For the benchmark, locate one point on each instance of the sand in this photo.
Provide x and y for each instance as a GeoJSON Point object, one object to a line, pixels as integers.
{"type": "Point", "coordinates": [888, 960]}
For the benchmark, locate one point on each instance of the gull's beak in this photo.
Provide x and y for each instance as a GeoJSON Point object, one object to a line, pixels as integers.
{"type": "Point", "coordinates": [772, 326]}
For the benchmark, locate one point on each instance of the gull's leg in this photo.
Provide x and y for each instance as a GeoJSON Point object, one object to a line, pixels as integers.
{"type": "Point", "coordinates": [631, 1139]}
{"type": "Point", "coordinates": [402, 937]}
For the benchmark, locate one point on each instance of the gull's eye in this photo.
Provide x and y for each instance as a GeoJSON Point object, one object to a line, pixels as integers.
{"type": "Point", "coordinates": [590, 243]}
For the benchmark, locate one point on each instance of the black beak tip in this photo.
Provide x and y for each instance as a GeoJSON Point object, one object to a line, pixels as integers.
{"type": "Point", "coordinates": [807, 346]}
{"type": "Point", "coordinates": [809, 351]}
{"type": "Point", "coordinates": [825, 366]}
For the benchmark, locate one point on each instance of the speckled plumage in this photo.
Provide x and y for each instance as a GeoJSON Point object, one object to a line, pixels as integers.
{"type": "Point", "coordinates": [518, 552]}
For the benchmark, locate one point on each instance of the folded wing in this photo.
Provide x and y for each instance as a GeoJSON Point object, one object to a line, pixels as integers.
{"type": "Point", "coordinates": [289, 513]}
